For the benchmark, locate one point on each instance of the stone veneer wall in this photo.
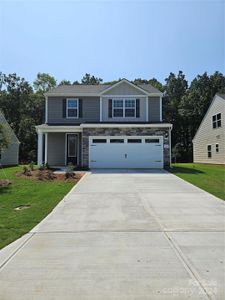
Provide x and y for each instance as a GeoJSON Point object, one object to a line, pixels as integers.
{"type": "Point", "coordinates": [125, 132]}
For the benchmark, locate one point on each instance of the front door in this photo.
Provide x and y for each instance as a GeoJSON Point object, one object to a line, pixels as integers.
{"type": "Point", "coordinates": [72, 143]}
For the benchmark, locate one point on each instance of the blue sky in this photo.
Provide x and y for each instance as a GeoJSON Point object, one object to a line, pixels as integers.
{"type": "Point", "coordinates": [112, 39]}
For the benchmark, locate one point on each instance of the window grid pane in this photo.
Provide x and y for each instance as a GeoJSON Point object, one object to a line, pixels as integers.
{"type": "Point", "coordinates": [118, 103]}
{"type": "Point", "coordinates": [130, 103]}
{"type": "Point", "coordinates": [72, 112]}
{"type": "Point", "coordinates": [72, 103]}
{"type": "Point", "coordinates": [118, 112]}
{"type": "Point", "coordinates": [130, 112]}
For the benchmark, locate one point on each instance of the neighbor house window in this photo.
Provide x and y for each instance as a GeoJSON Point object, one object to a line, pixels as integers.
{"type": "Point", "coordinates": [124, 108]}
{"type": "Point", "coordinates": [217, 148]}
{"type": "Point", "coordinates": [209, 148]}
{"type": "Point", "coordinates": [216, 120]}
{"type": "Point", "coordinates": [72, 108]}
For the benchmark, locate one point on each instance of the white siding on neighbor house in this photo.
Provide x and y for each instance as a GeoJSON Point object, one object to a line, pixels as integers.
{"type": "Point", "coordinates": [206, 135]}
{"type": "Point", "coordinates": [56, 149]}
{"type": "Point", "coordinates": [9, 156]}
{"type": "Point", "coordinates": [125, 89]}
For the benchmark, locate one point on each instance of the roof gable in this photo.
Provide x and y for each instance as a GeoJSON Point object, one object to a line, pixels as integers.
{"type": "Point", "coordinates": [217, 97]}
{"type": "Point", "coordinates": [124, 87]}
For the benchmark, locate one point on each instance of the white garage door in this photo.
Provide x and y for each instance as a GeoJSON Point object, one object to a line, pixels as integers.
{"type": "Point", "coordinates": [125, 152]}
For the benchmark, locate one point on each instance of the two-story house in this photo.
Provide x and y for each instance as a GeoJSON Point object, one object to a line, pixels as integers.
{"type": "Point", "coordinates": [209, 140]}
{"type": "Point", "coordinates": [105, 126]}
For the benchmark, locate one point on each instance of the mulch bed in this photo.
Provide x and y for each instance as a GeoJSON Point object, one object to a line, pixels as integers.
{"type": "Point", "coordinates": [54, 177]}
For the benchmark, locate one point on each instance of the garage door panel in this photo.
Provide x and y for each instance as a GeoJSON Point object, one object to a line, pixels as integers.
{"type": "Point", "coordinates": [126, 154]}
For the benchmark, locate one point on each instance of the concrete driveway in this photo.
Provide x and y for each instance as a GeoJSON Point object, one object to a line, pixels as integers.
{"type": "Point", "coordinates": [122, 235]}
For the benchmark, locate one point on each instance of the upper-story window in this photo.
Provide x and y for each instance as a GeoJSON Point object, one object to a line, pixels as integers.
{"type": "Point", "coordinates": [72, 108]}
{"type": "Point", "coordinates": [124, 108]}
{"type": "Point", "coordinates": [216, 120]}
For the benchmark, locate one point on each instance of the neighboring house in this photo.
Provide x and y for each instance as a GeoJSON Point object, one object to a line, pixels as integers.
{"type": "Point", "coordinates": [9, 156]}
{"type": "Point", "coordinates": [105, 126]}
{"type": "Point", "coordinates": [209, 140]}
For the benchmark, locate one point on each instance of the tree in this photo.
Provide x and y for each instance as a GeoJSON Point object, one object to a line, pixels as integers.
{"type": "Point", "coordinates": [154, 82]}
{"type": "Point", "coordinates": [44, 82]}
{"type": "Point", "coordinates": [19, 103]}
{"type": "Point", "coordinates": [65, 82]}
{"type": "Point", "coordinates": [27, 137]}
{"type": "Point", "coordinates": [4, 137]}
{"type": "Point", "coordinates": [175, 89]}
{"type": "Point", "coordinates": [90, 79]}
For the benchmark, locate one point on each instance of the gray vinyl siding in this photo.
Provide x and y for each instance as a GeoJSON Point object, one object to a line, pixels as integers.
{"type": "Point", "coordinates": [154, 109]}
{"type": "Point", "coordinates": [56, 149]}
{"type": "Point", "coordinates": [105, 114]}
{"type": "Point", "coordinates": [124, 89]}
{"type": "Point", "coordinates": [10, 156]}
{"type": "Point", "coordinates": [206, 135]}
{"type": "Point", "coordinates": [90, 105]}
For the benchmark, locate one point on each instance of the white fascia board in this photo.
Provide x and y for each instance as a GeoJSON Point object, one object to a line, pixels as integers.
{"type": "Point", "coordinates": [46, 128]}
{"type": "Point", "coordinates": [110, 125]}
{"type": "Point", "coordinates": [65, 95]}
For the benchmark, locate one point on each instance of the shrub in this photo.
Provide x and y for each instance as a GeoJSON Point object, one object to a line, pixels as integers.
{"type": "Point", "coordinates": [26, 171]}
{"type": "Point", "coordinates": [31, 166]}
{"type": "Point", "coordinates": [69, 171]}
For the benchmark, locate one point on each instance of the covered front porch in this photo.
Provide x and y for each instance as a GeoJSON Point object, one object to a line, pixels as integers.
{"type": "Point", "coordinates": [59, 145]}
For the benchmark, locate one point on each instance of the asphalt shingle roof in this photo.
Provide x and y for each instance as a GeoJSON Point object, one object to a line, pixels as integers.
{"type": "Point", "coordinates": [221, 95]}
{"type": "Point", "coordinates": [92, 89]}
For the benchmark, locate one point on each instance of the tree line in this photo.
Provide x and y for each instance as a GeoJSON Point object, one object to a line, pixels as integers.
{"type": "Point", "coordinates": [184, 105]}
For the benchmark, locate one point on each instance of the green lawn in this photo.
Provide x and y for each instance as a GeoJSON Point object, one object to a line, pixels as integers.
{"type": "Point", "coordinates": [210, 178]}
{"type": "Point", "coordinates": [42, 196]}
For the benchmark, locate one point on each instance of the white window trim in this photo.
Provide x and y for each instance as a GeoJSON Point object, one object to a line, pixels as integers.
{"type": "Point", "coordinates": [124, 108]}
{"type": "Point", "coordinates": [76, 99]}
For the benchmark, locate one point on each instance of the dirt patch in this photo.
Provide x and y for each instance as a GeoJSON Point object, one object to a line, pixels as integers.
{"type": "Point", "coordinates": [5, 182]}
{"type": "Point", "coordinates": [22, 207]}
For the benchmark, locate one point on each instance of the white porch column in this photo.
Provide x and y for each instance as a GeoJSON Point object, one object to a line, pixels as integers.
{"type": "Point", "coordinates": [40, 148]}
{"type": "Point", "coordinates": [46, 147]}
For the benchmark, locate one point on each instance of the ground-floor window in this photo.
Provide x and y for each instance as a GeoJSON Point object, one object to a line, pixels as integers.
{"type": "Point", "coordinates": [209, 148]}
{"type": "Point", "coordinates": [217, 148]}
